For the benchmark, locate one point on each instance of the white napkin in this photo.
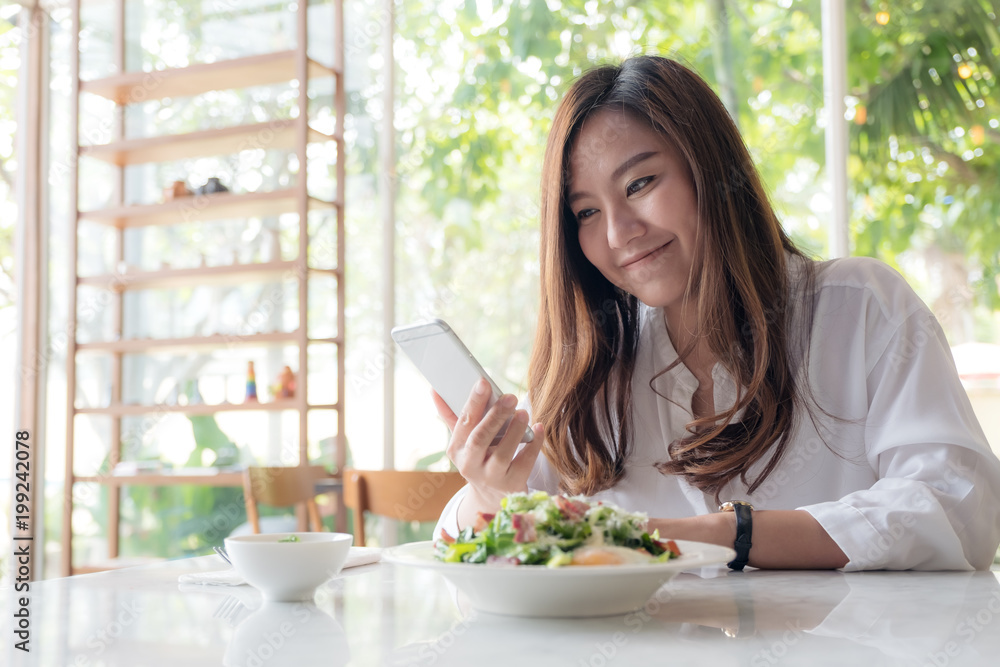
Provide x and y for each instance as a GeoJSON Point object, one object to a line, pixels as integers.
{"type": "Point", "coordinates": [216, 578]}
{"type": "Point", "coordinates": [356, 557]}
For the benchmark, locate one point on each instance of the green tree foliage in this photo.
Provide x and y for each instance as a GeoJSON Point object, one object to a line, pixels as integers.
{"type": "Point", "coordinates": [184, 520]}
{"type": "Point", "coordinates": [926, 140]}
{"type": "Point", "coordinates": [480, 81]}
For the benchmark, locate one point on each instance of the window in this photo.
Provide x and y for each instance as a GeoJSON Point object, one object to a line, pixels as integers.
{"type": "Point", "coordinates": [11, 36]}
{"type": "Point", "coordinates": [476, 87]}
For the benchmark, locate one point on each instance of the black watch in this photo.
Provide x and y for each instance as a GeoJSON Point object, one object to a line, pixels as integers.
{"type": "Point", "coordinates": [744, 531]}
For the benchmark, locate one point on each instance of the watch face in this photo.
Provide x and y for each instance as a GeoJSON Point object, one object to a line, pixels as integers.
{"type": "Point", "coordinates": [730, 505]}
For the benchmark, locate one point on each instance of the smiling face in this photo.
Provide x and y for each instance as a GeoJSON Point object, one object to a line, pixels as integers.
{"type": "Point", "coordinates": [632, 197]}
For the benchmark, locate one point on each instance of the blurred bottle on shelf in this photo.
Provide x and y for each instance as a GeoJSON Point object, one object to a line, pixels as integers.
{"type": "Point", "coordinates": [251, 384]}
{"type": "Point", "coordinates": [175, 190]}
{"type": "Point", "coordinates": [285, 386]}
{"type": "Point", "coordinates": [211, 186]}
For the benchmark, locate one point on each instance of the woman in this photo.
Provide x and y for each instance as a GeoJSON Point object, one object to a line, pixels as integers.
{"type": "Point", "coordinates": [687, 353]}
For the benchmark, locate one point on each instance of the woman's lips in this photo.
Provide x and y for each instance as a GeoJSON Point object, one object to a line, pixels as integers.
{"type": "Point", "coordinates": [644, 260]}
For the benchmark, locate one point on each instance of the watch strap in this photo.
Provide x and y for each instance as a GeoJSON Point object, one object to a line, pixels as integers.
{"type": "Point", "coordinates": [744, 533]}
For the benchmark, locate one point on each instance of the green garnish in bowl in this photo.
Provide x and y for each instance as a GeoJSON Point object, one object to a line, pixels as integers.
{"type": "Point", "coordinates": [290, 538]}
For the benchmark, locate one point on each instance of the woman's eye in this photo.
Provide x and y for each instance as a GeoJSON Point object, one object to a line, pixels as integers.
{"type": "Point", "coordinates": [637, 185]}
{"type": "Point", "coordinates": [584, 214]}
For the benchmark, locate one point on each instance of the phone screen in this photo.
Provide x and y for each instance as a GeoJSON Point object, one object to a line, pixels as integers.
{"type": "Point", "coordinates": [446, 363]}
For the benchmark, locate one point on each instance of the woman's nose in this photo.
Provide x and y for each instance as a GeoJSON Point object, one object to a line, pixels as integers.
{"type": "Point", "coordinates": [622, 228]}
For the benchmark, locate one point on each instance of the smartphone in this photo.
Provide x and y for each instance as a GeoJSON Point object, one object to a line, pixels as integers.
{"type": "Point", "coordinates": [447, 364]}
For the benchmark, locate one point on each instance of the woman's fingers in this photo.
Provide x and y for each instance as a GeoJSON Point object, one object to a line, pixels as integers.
{"type": "Point", "coordinates": [504, 451]}
{"type": "Point", "coordinates": [468, 419]}
{"type": "Point", "coordinates": [485, 433]}
{"type": "Point", "coordinates": [493, 469]}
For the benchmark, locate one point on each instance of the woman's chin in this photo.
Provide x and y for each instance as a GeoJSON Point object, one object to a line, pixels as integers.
{"type": "Point", "coordinates": [655, 298]}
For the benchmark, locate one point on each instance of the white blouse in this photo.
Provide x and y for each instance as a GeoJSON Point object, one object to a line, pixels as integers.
{"type": "Point", "coordinates": [894, 465]}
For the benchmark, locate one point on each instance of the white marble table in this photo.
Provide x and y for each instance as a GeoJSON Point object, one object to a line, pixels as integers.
{"type": "Point", "coordinates": [388, 615]}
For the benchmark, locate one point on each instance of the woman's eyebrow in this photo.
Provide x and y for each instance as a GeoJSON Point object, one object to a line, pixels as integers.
{"type": "Point", "coordinates": [617, 173]}
{"type": "Point", "coordinates": [631, 162]}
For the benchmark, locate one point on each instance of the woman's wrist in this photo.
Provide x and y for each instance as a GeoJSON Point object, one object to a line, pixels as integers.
{"type": "Point", "coordinates": [783, 539]}
{"type": "Point", "coordinates": [472, 504]}
{"type": "Point", "coordinates": [716, 528]}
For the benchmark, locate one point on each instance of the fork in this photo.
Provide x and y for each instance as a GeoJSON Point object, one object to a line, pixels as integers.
{"type": "Point", "coordinates": [229, 610]}
{"type": "Point", "coordinates": [222, 553]}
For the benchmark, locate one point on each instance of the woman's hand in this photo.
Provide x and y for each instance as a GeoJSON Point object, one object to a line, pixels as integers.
{"type": "Point", "coordinates": [493, 468]}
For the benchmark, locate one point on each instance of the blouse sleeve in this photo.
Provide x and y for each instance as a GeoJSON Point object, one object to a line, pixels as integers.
{"type": "Point", "coordinates": [449, 516]}
{"type": "Point", "coordinates": [936, 503]}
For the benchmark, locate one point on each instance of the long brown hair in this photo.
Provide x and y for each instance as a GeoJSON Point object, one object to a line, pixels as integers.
{"type": "Point", "coordinates": [585, 344]}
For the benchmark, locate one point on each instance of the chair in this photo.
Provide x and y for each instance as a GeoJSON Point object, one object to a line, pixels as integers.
{"type": "Point", "coordinates": [282, 487]}
{"type": "Point", "coordinates": [405, 495]}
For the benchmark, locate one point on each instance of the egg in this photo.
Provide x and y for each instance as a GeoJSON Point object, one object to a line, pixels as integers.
{"type": "Point", "coordinates": [609, 555]}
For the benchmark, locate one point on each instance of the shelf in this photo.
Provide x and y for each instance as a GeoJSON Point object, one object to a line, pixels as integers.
{"type": "Point", "coordinates": [167, 479]}
{"type": "Point", "coordinates": [128, 410]}
{"type": "Point", "coordinates": [137, 345]}
{"type": "Point", "coordinates": [289, 70]}
{"type": "Point", "coordinates": [222, 141]}
{"type": "Point", "coordinates": [335, 341]}
{"type": "Point", "coordinates": [324, 406]}
{"type": "Point", "coordinates": [203, 275]}
{"type": "Point", "coordinates": [194, 342]}
{"type": "Point", "coordinates": [200, 208]}
{"type": "Point", "coordinates": [260, 70]}
{"type": "Point", "coordinates": [198, 276]}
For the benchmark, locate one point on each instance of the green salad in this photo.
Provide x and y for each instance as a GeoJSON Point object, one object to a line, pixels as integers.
{"type": "Point", "coordinates": [539, 529]}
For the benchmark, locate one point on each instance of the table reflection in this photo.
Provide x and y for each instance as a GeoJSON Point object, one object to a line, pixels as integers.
{"type": "Point", "coordinates": [292, 633]}
{"type": "Point", "coordinates": [755, 618]}
{"type": "Point", "coordinates": [387, 615]}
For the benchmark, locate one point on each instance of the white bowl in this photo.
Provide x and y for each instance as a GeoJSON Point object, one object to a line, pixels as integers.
{"type": "Point", "coordinates": [288, 571]}
{"type": "Point", "coordinates": [577, 591]}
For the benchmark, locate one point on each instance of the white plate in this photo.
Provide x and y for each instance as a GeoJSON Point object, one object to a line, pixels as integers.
{"type": "Point", "coordinates": [536, 590]}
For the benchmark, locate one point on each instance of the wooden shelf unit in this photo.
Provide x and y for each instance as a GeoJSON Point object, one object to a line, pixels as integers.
{"type": "Point", "coordinates": [141, 345]}
{"type": "Point", "coordinates": [202, 275]}
{"type": "Point", "coordinates": [131, 410]}
{"type": "Point", "coordinates": [201, 208]}
{"type": "Point", "coordinates": [165, 479]}
{"type": "Point", "coordinates": [278, 134]}
{"type": "Point", "coordinates": [260, 70]}
{"type": "Point", "coordinates": [125, 88]}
